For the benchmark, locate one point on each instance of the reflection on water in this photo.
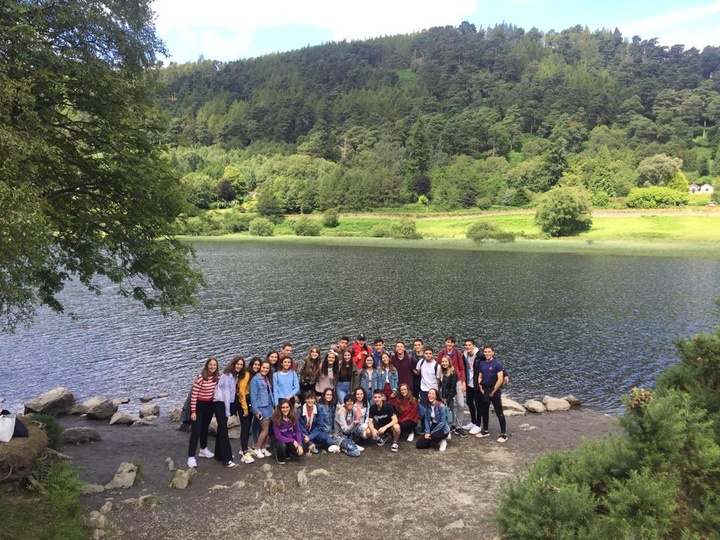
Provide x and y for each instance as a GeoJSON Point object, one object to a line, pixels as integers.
{"type": "Point", "coordinates": [593, 326]}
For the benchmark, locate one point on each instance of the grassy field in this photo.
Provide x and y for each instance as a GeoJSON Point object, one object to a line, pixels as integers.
{"type": "Point", "coordinates": [689, 232]}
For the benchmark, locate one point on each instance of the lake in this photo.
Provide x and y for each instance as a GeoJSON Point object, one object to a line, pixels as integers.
{"type": "Point", "coordinates": [592, 326]}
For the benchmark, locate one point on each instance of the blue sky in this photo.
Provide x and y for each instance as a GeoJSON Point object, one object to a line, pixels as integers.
{"type": "Point", "coordinates": [236, 29]}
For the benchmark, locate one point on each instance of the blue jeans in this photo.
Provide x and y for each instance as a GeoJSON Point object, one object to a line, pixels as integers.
{"type": "Point", "coordinates": [342, 388]}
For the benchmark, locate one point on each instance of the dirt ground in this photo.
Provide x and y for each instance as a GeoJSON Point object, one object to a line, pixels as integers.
{"type": "Point", "coordinates": [408, 494]}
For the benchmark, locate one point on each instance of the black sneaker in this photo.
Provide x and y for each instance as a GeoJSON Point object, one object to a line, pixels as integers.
{"type": "Point", "coordinates": [382, 440]}
{"type": "Point", "coordinates": [280, 460]}
{"type": "Point", "coordinates": [460, 432]}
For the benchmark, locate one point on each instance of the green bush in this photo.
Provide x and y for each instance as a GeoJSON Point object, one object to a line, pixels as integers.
{"type": "Point", "coordinates": [600, 199]}
{"type": "Point", "coordinates": [235, 222]}
{"type": "Point", "coordinates": [380, 230]}
{"type": "Point", "coordinates": [564, 211]}
{"type": "Point", "coordinates": [52, 429]}
{"type": "Point", "coordinates": [656, 197]}
{"type": "Point", "coordinates": [480, 231]}
{"type": "Point", "coordinates": [261, 226]}
{"type": "Point", "coordinates": [305, 226]}
{"type": "Point", "coordinates": [404, 229]}
{"type": "Point", "coordinates": [330, 218]}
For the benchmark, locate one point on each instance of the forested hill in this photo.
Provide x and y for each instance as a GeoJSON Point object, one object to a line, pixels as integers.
{"type": "Point", "coordinates": [463, 115]}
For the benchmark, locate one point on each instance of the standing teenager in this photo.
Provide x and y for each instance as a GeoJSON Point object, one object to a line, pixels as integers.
{"type": "Point", "coordinates": [224, 407]}
{"type": "Point", "coordinates": [255, 364]}
{"type": "Point", "coordinates": [244, 414]}
{"type": "Point", "coordinates": [307, 370]}
{"type": "Point", "coordinates": [202, 409]}
{"type": "Point", "coordinates": [490, 379]}
{"type": "Point", "coordinates": [347, 375]}
{"type": "Point", "coordinates": [285, 383]}
{"type": "Point", "coordinates": [401, 360]}
{"type": "Point", "coordinates": [458, 363]}
{"type": "Point", "coordinates": [366, 376]}
{"type": "Point", "coordinates": [327, 375]}
{"type": "Point", "coordinates": [261, 398]}
{"type": "Point", "coordinates": [437, 427]}
{"type": "Point", "coordinates": [386, 377]}
{"type": "Point", "coordinates": [472, 361]}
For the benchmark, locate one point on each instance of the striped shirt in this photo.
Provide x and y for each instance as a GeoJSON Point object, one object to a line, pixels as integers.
{"type": "Point", "coordinates": [202, 390]}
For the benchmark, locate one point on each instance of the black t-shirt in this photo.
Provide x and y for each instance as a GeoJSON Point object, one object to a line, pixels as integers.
{"type": "Point", "coordinates": [382, 416]}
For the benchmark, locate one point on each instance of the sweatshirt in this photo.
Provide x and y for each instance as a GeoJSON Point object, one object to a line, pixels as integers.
{"type": "Point", "coordinates": [286, 432]}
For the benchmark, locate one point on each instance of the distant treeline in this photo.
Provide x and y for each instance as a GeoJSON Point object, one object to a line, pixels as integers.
{"type": "Point", "coordinates": [455, 116]}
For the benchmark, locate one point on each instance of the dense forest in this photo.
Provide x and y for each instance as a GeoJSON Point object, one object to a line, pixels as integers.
{"type": "Point", "coordinates": [450, 117]}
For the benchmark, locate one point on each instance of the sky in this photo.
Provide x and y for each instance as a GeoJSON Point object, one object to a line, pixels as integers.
{"type": "Point", "coordinates": [229, 30]}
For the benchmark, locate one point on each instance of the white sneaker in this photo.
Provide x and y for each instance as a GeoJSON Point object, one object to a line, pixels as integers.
{"type": "Point", "coordinates": [259, 454]}
{"type": "Point", "coordinates": [360, 448]}
{"type": "Point", "coordinates": [247, 458]}
{"type": "Point", "coordinates": [334, 449]}
{"type": "Point", "coordinates": [468, 426]}
{"type": "Point", "coordinates": [411, 437]}
{"type": "Point", "coordinates": [474, 430]}
{"type": "Point", "coordinates": [449, 436]}
{"type": "Point", "coordinates": [443, 445]}
{"type": "Point", "coordinates": [266, 453]}
{"type": "Point", "coordinates": [192, 463]}
{"type": "Point", "coordinates": [230, 464]}
{"type": "Point", "coordinates": [204, 452]}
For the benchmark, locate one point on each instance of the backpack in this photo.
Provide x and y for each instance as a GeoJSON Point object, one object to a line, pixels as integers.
{"type": "Point", "coordinates": [437, 368]}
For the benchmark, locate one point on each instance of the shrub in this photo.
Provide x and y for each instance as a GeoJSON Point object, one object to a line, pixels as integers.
{"type": "Point", "coordinates": [404, 229]}
{"type": "Point", "coordinates": [380, 230]}
{"type": "Point", "coordinates": [330, 218]}
{"type": "Point", "coordinates": [305, 226]}
{"type": "Point", "coordinates": [564, 211]}
{"type": "Point", "coordinates": [484, 203]}
{"type": "Point", "coordinates": [600, 199]}
{"type": "Point", "coordinates": [656, 197]}
{"type": "Point", "coordinates": [261, 226]}
{"type": "Point", "coordinates": [52, 429]}
{"type": "Point", "coordinates": [235, 222]}
{"type": "Point", "coordinates": [480, 231]}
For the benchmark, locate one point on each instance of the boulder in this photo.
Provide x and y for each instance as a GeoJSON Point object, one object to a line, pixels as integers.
{"type": "Point", "coordinates": [572, 400]}
{"type": "Point", "coordinates": [2, 400]}
{"type": "Point", "coordinates": [181, 479]}
{"type": "Point", "coordinates": [85, 406]}
{"type": "Point", "coordinates": [512, 407]}
{"type": "Point", "coordinates": [17, 457]}
{"type": "Point", "coordinates": [146, 399]}
{"type": "Point", "coordinates": [102, 411]}
{"type": "Point", "coordinates": [124, 418]}
{"type": "Point", "coordinates": [302, 479]}
{"type": "Point", "coordinates": [121, 401]}
{"type": "Point", "coordinates": [176, 414]}
{"type": "Point", "coordinates": [556, 404]}
{"type": "Point", "coordinates": [535, 406]}
{"type": "Point", "coordinates": [234, 433]}
{"type": "Point", "coordinates": [143, 421]}
{"type": "Point", "coordinates": [96, 520]}
{"type": "Point", "coordinates": [80, 435]}
{"type": "Point", "coordinates": [58, 401]}
{"type": "Point", "coordinates": [106, 508]}
{"type": "Point", "coordinates": [149, 410]}
{"type": "Point", "coordinates": [92, 488]}
{"type": "Point", "coordinates": [124, 477]}
{"type": "Point", "coordinates": [163, 395]}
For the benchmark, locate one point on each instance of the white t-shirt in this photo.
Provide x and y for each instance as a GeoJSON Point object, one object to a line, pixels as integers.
{"type": "Point", "coordinates": [429, 375]}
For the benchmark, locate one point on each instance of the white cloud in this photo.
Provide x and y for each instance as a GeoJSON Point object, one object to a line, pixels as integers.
{"type": "Point", "coordinates": [224, 28]}
{"type": "Point", "coordinates": [686, 26]}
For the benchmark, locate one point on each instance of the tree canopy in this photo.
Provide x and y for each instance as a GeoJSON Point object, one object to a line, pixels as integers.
{"type": "Point", "coordinates": [85, 190]}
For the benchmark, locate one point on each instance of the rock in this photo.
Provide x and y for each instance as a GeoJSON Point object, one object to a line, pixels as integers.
{"type": "Point", "coordinates": [53, 456]}
{"type": "Point", "coordinates": [556, 404]}
{"type": "Point", "coordinates": [512, 407]}
{"type": "Point", "coordinates": [85, 406]}
{"type": "Point", "coordinates": [319, 472]}
{"type": "Point", "coordinates": [96, 520]}
{"type": "Point", "coordinates": [459, 524]}
{"type": "Point", "coordinates": [535, 406]}
{"type": "Point", "coordinates": [102, 411]}
{"type": "Point", "coordinates": [176, 414]}
{"type": "Point", "coordinates": [170, 464]}
{"type": "Point", "coordinates": [274, 487]}
{"type": "Point", "coordinates": [181, 479]}
{"type": "Point", "coordinates": [163, 395]}
{"type": "Point", "coordinates": [302, 479]}
{"type": "Point", "coordinates": [238, 485]}
{"type": "Point", "coordinates": [572, 400]}
{"type": "Point", "coordinates": [234, 433]}
{"type": "Point", "coordinates": [217, 487]}
{"type": "Point", "coordinates": [233, 421]}
{"type": "Point", "coordinates": [122, 400]}
{"type": "Point", "coordinates": [80, 435]}
{"type": "Point", "coordinates": [124, 418]}
{"type": "Point", "coordinates": [56, 402]}
{"type": "Point", "coordinates": [98, 534]}
{"type": "Point", "coordinates": [106, 508]}
{"type": "Point", "coordinates": [143, 421]}
{"type": "Point", "coordinates": [124, 477]}
{"type": "Point", "coordinates": [92, 488]}
{"type": "Point", "coordinates": [148, 501]}
{"type": "Point", "coordinates": [145, 399]}
{"type": "Point", "coordinates": [266, 467]}
{"type": "Point", "coordinates": [149, 410]}
{"type": "Point", "coordinates": [2, 400]}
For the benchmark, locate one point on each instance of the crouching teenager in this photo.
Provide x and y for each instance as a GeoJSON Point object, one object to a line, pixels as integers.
{"type": "Point", "coordinates": [345, 424]}
{"type": "Point", "coordinates": [286, 431]}
{"type": "Point", "coordinates": [436, 423]}
{"type": "Point", "coordinates": [311, 428]}
{"type": "Point", "coordinates": [383, 421]}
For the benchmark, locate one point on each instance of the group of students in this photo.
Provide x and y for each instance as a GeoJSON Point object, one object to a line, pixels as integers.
{"type": "Point", "coordinates": [354, 394]}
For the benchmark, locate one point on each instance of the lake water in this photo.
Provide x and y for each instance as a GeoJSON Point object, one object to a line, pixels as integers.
{"type": "Point", "coordinates": [593, 326]}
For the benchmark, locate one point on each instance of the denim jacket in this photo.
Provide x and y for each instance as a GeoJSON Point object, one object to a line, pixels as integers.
{"type": "Point", "coordinates": [379, 379]}
{"type": "Point", "coordinates": [260, 394]}
{"type": "Point", "coordinates": [326, 418]}
{"type": "Point", "coordinates": [441, 423]}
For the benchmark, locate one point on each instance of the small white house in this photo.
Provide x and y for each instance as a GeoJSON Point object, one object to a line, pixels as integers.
{"type": "Point", "coordinates": [707, 188]}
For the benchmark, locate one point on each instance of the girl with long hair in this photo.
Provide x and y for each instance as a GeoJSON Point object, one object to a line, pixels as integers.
{"type": "Point", "coordinates": [366, 375]}
{"type": "Point", "coordinates": [243, 409]}
{"type": "Point", "coordinates": [328, 372]}
{"type": "Point", "coordinates": [285, 382]}
{"type": "Point", "coordinates": [447, 385]}
{"type": "Point", "coordinates": [272, 358]}
{"type": "Point", "coordinates": [407, 410]}
{"type": "Point", "coordinates": [386, 377]}
{"type": "Point", "coordinates": [202, 409]}
{"type": "Point", "coordinates": [307, 370]}
{"type": "Point", "coordinates": [286, 432]}
{"type": "Point", "coordinates": [224, 403]}
{"type": "Point", "coordinates": [437, 427]}
{"type": "Point", "coordinates": [261, 398]}
{"type": "Point", "coordinates": [347, 375]}
{"type": "Point", "coordinates": [253, 370]}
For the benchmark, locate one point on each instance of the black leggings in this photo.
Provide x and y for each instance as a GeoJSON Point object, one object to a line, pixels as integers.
{"type": "Point", "coordinates": [285, 451]}
{"type": "Point", "coordinates": [423, 443]}
{"type": "Point", "coordinates": [407, 426]}
{"type": "Point", "coordinates": [245, 422]}
{"type": "Point", "coordinates": [474, 404]}
{"type": "Point", "coordinates": [204, 411]}
{"type": "Point", "coordinates": [223, 450]}
{"type": "Point", "coordinates": [496, 401]}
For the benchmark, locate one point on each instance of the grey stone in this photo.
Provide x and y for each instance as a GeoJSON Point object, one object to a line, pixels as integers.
{"type": "Point", "coordinates": [89, 489]}
{"type": "Point", "coordinates": [302, 479]}
{"type": "Point", "coordinates": [145, 399]}
{"type": "Point", "coordinates": [556, 404]}
{"type": "Point", "coordinates": [124, 418]}
{"type": "Point", "coordinates": [535, 406]}
{"type": "Point", "coordinates": [181, 479]}
{"type": "Point", "coordinates": [85, 406]}
{"type": "Point", "coordinates": [170, 464]}
{"type": "Point", "coordinates": [572, 400]}
{"type": "Point", "coordinates": [512, 407]}
{"type": "Point", "coordinates": [176, 414]}
{"type": "Point", "coordinates": [80, 435]}
{"type": "Point", "coordinates": [96, 520]}
{"type": "Point", "coordinates": [102, 411]}
{"type": "Point", "coordinates": [124, 477]}
{"type": "Point", "coordinates": [106, 508]}
{"type": "Point", "coordinates": [58, 401]}
{"type": "Point", "coordinates": [163, 395]}
{"type": "Point", "coordinates": [149, 410]}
